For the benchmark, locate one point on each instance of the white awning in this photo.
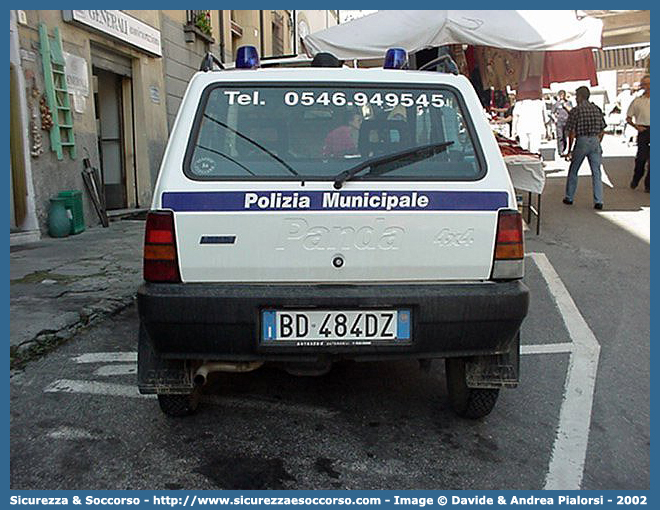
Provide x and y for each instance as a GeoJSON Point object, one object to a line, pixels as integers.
{"type": "Point", "coordinates": [371, 36]}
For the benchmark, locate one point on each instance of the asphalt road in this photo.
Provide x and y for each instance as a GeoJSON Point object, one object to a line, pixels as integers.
{"type": "Point", "coordinates": [580, 417]}
{"type": "Point", "coordinates": [361, 426]}
{"type": "Point", "coordinates": [77, 422]}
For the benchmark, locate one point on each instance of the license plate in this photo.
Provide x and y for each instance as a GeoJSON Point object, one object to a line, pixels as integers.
{"type": "Point", "coordinates": [325, 327]}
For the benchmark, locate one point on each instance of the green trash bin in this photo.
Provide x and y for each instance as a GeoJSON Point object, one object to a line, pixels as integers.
{"type": "Point", "coordinates": [74, 205]}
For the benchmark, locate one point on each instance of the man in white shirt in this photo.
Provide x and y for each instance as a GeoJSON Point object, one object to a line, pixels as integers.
{"type": "Point", "coordinates": [529, 123]}
{"type": "Point", "coordinates": [640, 111]}
{"type": "Point", "coordinates": [623, 101]}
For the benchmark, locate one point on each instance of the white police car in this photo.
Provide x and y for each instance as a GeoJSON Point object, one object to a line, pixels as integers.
{"type": "Point", "coordinates": [302, 216]}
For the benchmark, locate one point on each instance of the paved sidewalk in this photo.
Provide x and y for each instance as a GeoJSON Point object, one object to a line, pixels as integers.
{"type": "Point", "coordinates": [58, 286]}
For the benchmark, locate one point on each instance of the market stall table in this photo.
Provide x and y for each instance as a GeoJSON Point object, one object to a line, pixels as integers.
{"type": "Point", "coordinates": [527, 174]}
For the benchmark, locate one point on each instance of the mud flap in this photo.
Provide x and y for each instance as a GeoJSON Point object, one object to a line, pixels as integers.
{"type": "Point", "coordinates": [158, 375]}
{"type": "Point", "coordinates": [497, 371]}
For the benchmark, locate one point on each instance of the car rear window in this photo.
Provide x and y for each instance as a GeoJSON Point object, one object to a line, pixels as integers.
{"type": "Point", "coordinates": [315, 132]}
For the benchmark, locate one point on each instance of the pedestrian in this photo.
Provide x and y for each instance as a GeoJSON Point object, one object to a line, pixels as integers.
{"type": "Point", "coordinates": [529, 123]}
{"type": "Point", "coordinates": [623, 101]}
{"type": "Point", "coordinates": [640, 111]}
{"type": "Point", "coordinates": [504, 115]}
{"type": "Point", "coordinates": [560, 111]}
{"type": "Point", "coordinates": [549, 120]}
{"type": "Point", "coordinates": [508, 115]}
{"type": "Point", "coordinates": [585, 127]}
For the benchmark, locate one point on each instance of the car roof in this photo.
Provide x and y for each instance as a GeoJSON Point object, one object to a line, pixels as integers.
{"type": "Point", "coordinates": [327, 74]}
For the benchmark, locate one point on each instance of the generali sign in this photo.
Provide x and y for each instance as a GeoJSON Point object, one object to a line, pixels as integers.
{"type": "Point", "coordinates": [120, 26]}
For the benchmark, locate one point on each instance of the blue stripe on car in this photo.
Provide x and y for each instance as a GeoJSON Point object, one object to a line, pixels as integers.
{"type": "Point", "coordinates": [250, 201]}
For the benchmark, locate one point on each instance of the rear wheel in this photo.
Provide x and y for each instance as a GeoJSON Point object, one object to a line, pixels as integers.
{"type": "Point", "coordinates": [177, 404]}
{"type": "Point", "coordinates": [467, 402]}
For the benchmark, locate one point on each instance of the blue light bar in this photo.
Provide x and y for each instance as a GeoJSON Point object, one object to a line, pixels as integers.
{"type": "Point", "coordinates": [396, 58]}
{"type": "Point", "coordinates": [247, 57]}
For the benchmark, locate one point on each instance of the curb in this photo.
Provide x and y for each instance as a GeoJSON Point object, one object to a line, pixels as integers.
{"type": "Point", "coordinates": [45, 341]}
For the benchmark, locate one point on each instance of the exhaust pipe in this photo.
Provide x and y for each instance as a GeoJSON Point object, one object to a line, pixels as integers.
{"type": "Point", "coordinates": [201, 374]}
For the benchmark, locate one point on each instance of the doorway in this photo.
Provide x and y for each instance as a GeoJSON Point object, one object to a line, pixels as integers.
{"type": "Point", "coordinates": [113, 109]}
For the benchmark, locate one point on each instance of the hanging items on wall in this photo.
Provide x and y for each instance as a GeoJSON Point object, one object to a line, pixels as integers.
{"type": "Point", "coordinates": [36, 148]}
{"type": "Point", "coordinates": [46, 114]}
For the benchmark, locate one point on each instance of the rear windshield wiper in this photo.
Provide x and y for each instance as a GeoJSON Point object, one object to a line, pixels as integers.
{"type": "Point", "coordinates": [419, 153]}
{"type": "Point", "coordinates": [256, 144]}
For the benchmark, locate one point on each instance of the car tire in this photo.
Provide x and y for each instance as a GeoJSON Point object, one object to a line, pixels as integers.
{"type": "Point", "coordinates": [467, 402]}
{"type": "Point", "coordinates": [178, 405]}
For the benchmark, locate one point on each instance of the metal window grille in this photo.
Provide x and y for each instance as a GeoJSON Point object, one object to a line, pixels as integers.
{"type": "Point", "coordinates": [616, 58]}
{"type": "Point", "coordinates": [191, 16]}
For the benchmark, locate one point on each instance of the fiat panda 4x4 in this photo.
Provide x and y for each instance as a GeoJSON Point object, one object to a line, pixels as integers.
{"type": "Point", "coordinates": [303, 216]}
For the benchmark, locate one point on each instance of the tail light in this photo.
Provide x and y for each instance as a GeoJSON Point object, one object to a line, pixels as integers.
{"type": "Point", "coordinates": [160, 258]}
{"type": "Point", "coordinates": [509, 247]}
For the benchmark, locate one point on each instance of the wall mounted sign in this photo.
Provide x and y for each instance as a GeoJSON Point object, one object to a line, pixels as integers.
{"type": "Point", "coordinates": [154, 92]}
{"type": "Point", "coordinates": [121, 26]}
{"type": "Point", "coordinates": [77, 76]}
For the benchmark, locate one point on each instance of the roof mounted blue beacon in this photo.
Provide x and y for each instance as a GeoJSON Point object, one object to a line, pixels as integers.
{"type": "Point", "coordinates": [247, 57]}
{"type": "Point", "coordinates": [396, 58]}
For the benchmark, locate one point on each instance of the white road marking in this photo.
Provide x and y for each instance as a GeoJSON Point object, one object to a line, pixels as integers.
{"type": "Point", "coordinates": [106, 357]}
{"type": "Point", "coordinates": [570, 448]}
{"type": "Point", "coordinates": [70, 433]}
{"type": "Point", "coordinates": [127, 390]}
{"type": "Point", "coordinates": [546, 348]}
{"type": "Point", "coordinates": [94, 387]}
{"type": "Point", "coordinates": [123, 369]}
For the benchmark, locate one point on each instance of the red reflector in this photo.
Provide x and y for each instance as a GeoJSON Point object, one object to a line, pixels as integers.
{"type": "Point", "coordinates": [508, 236]}
{"type": "Point", "coordinates": [160, 257]}
{"type": "Point", "coordinates": [159, 236]}
{"type": "Point", "coordinates": [509, 226]}
{"type": "Point", "coordinates": [509, 242]}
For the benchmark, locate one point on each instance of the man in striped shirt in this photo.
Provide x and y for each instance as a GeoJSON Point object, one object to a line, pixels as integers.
{"type": "Point", "coordinates": [585, 127]}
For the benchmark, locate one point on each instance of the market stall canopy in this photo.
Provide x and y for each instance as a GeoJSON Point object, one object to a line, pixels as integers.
{"type": "Point", "coordinates": [370, 37]}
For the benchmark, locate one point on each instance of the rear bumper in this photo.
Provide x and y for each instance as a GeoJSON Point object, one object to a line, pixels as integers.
{"type": "Point", "coordinates": [222, 321]}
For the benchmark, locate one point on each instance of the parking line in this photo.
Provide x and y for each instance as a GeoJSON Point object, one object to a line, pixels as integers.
{"type": "Point", "coordinates": [123, 369]}
{"type": "Point", "coordinates": [94, 387]}
{"type": "Point", "coordinates": [547, 348]}
{"type": "Point", "coordinates": [570, 448]}
{"type": "Point", "coordinates": [106, 357]}
{"type": "Point", "coordinates": [127, 390]}
{"type": "Point", "coordinates": [70, 433]}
